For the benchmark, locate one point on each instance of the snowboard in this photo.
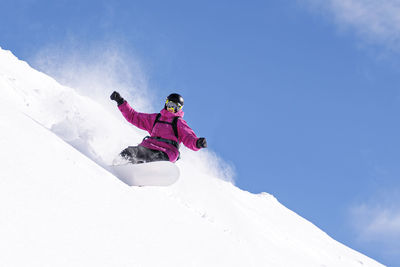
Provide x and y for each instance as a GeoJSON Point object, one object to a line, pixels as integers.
{"type": "Point", "coordinates": [158, 173]}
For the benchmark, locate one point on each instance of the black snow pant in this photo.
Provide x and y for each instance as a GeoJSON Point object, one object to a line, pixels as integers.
{"type": "Point", "coordinates": [141, 154]}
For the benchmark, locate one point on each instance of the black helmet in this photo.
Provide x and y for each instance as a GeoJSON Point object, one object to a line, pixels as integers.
{"type": "Point", "coordinates": [177, 98]}
{"type": "Point", "coordinates": [174, 102]}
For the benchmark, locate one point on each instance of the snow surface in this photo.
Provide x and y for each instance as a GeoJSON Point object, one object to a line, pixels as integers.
{"type": "Point", "coordinates": [61, 206]}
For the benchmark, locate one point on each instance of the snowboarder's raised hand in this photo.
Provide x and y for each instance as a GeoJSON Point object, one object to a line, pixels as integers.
{"type": "Point", "coordinates": [117, 97]}
{"type": "Point", "coordinates": [201, 142]}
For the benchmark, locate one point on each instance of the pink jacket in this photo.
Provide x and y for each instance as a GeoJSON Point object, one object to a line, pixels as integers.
{"type": "Point", "coordinates": [145, 122]}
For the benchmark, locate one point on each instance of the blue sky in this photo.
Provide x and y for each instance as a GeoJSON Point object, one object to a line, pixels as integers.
{"type": "Point", "coordinates": [302, 97]}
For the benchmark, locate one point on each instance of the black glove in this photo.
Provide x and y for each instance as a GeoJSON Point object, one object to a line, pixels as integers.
{"type": "Point", "coordinates": [201, 142]}
{"type": "Point", "coordinates": [117, 97]}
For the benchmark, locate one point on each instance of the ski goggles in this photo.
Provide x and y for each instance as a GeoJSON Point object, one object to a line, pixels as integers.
{"type": "Point", "coordinates": [173, 105]}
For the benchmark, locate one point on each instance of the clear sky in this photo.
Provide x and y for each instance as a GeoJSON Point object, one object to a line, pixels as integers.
{"type": "Point", "coordinates": [302, 97]}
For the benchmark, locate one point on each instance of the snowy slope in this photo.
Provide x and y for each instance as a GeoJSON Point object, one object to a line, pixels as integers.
{"type": "Point", "coordinates": [60, 206]}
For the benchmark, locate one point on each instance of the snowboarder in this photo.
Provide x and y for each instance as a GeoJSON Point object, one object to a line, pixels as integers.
{"type": "Point", "coordinates": [167, 130]}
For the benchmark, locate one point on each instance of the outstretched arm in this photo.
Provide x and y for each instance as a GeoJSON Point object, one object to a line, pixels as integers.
{"type": "Point", "coordinates": [189, 138]}
{"type": "Point", "coordinates": [143, 121]}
